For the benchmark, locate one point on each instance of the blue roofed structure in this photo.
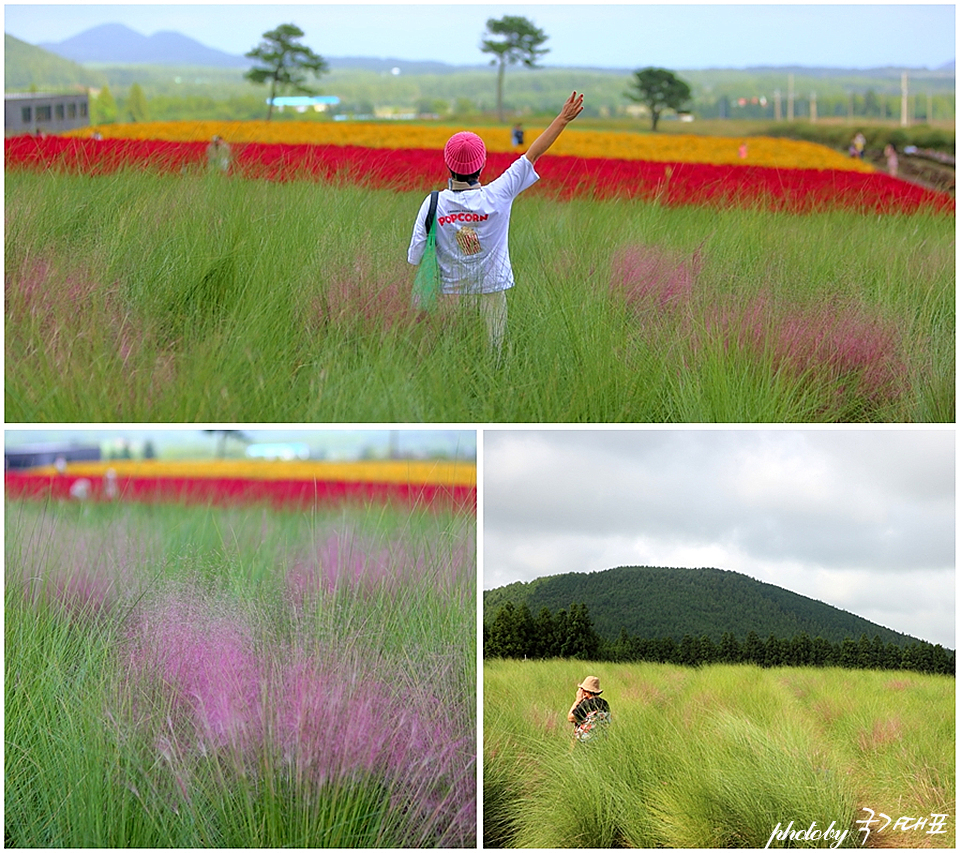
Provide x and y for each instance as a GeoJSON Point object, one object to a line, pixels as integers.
{"type": "Point", "coordinates": [301, 103]}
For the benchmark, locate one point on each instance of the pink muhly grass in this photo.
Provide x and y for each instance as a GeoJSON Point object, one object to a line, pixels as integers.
{"type": "Point", "coordinates": [344, 562]}
{"type": "Point", "coordinates": [650, 277]}
{"type": "Point", "coordinates": [369, 294]}
{"type": "Point", "coordinates": [83, 574]}
{"type": "Point", "coordinates": [862, 354]}
{"type": "Point", "coordinates": [72, 308]}
{"type": "Point", "coordinates": [332, 724]}
{"type": "Point", "coordinates": [205, 663]}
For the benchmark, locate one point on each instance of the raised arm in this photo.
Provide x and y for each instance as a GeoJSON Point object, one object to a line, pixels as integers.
{"type": "Point", "coordinates": [571, 109]}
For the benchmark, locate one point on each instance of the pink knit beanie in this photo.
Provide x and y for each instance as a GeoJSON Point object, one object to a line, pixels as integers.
{"type": "Point", "coordinates": [464, 153]}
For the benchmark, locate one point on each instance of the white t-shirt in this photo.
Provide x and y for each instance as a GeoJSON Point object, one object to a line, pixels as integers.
{"type": "Point", "coordinates": [472, 228]}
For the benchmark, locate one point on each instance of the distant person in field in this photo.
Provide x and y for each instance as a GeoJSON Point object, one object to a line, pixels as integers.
{"type": "Point", "coordinates": [893, 162]}
{"type": "Point", "coordinates": [590, 713]}
{"type": "Point", "coordinates": [218, 154]}
{"type": "Point", "coordinates": [858, 145]}
{"type": "Point", "coordinates": [517, 135]}
{"type": "Point", "coordinates": [473, 221]}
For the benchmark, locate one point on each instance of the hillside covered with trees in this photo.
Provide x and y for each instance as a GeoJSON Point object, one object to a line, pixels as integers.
{"type": "Point", "coordinates": [681, 627]}
{"type": "Point", "coordinates": [27, 67]}
{"type": "Point", "coordinates": [656, 603]}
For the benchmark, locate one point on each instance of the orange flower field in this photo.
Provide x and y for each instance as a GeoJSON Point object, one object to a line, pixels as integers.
{"type": "Point", "coordinates": [671, 169]}
{"type": "Point", "coordinates": [657, 148]}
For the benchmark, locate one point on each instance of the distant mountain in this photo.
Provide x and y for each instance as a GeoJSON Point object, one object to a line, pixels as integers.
{"type": "Point", "coordinates": [26, 67]}
{"type": "Point", "coordinates": [118, 44]}
{"type": "Point", "coordinates": [667, 602]}
{"type": "Point", "coordinates": [381, 65]}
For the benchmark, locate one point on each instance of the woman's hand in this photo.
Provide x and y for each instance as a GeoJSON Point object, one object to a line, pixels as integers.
{"type": "Point", "coordinates": [572, 108]}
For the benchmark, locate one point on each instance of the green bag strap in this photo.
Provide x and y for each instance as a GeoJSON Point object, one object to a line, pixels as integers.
{"type": "Point", "coordinates": [432, 212]}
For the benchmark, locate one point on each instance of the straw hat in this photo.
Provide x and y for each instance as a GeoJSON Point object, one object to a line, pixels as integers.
{"type": "Point", "coordinates": [591, 684]}
{"type": "Point", "coordinates": [464, 153]}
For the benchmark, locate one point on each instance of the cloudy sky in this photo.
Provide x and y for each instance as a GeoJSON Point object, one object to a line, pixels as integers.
{"type": "Point", "coordinates": [679, 35]}
{"type": "Point", "coordinates": [863, 520]}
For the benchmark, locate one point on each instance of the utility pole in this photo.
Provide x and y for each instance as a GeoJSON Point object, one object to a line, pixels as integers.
{"type": "Point", "coordinates": [789, 97]}
{"type": "Point", "coordinates": [813, 107]}
{"type": "Point", "coordinates": [904, 118]}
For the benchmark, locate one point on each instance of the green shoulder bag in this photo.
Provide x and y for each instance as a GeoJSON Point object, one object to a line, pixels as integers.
{"type": "Point", "coordinates": [426, 285]}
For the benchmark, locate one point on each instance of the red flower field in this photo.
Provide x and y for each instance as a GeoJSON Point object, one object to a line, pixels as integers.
{"type": "Point", "coordinates": [564, 177]}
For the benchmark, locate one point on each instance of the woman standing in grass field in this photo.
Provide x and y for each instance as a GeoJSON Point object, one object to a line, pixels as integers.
{"type": "Point", "coordinates": [472, 221]}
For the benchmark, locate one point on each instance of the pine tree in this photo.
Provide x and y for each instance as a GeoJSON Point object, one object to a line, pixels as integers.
{"type": "Point", "coordinates": [582, 641]}
{"type": "Point", "coordinates": [505, 640]}
{"type": "Point", "coordinates": [753, 649]}
{"type": "Point", "coordinates": [104, 107]}
{"type": "Point", "coordinates": [137, 104]}
{"type": "Point", "coordinates": [688, 652]}
{"type": "Point", "coordinates": [729, 648]}
{"type": "Point", "coordinates": [545, 643]}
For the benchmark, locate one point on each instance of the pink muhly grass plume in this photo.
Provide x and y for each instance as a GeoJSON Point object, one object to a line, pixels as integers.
{"type": "Point", "coordinates": [861, 353]}
{"type": "Point", "coordinates": [83, 574]}
{"type": "Point", "coordinates": [650, 277]}
{"type": "Point", "coordinates": [206, 665]}
{"type": "Point", "coordinates": [373, 294]}
{"type": "Point", "coordinates": [349, 562]}
{"type": "Point", "coordinates": [202, 678]}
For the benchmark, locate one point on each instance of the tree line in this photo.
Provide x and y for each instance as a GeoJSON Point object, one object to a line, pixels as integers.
{"type": "Point", "coordinates": [569, 633]}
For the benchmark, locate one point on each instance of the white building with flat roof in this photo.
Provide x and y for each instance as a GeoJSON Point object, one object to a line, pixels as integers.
{"type": "Point", "coordinates": [41, 112]}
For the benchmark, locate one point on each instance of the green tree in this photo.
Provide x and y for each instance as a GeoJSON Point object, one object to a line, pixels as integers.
{"type": "Point", "coordinates": [545, 643]}
{"type": "Point", "coordinates": [801, 650]}
{"type": "Point", "coordinates": [104, 107]}
{"type": "Point", "coordinates": [753, 649]}
{"type": "Point", "coordinates": [707, 652]}
{"type": "Point", "coordinates": [581, 640]}
{"type": "Point", "coordinates": [774, 652]}
{"type": "Point", "coordinates": [849, 654]}
{"type": "Point", "coordinates": [502, 641]}
{"type": "Point", "coordinates": [137, 104]}
{"type": "Point", "coordinates": [512, 39]}
{"type": "Point", "coordinates": [822, 653]}
{"type": "Point", "coordinates": [729, 648]}
{"type": "Point", "coordinates": [284, 62]}
{"type": "Point", "coordinates": [659, 90]}
{"type": "Point", "coordinates": [688, 651]}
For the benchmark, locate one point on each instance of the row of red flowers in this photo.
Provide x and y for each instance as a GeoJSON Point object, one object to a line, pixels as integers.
{"type": "Point", "coordinates": [236, 490]}
{"type": "Point", "coordinates": [673, 184]}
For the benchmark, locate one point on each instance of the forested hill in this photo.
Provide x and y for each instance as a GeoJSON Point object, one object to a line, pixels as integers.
{"type": "Point", "coordinates": [665, 602]}
{"type": "Point", "coordinates": [26, 66]}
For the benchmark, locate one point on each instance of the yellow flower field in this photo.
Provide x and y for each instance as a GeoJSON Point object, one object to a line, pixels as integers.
{"type": "Point", "coordinates": [382, 471]}
{"type": "Point", "coordinates": [681, 148]}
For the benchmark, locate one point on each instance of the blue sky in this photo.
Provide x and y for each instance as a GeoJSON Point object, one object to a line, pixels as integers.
{"type": "Point", "coordinates": [332, 443]}
{"type": "Point", "coordinates": [680, 35]}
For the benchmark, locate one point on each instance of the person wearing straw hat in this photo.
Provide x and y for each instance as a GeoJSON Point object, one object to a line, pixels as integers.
{"type": "Point", "coordinates": [591, 712]}
{"type": "Point", "coordinates": [472, 220]}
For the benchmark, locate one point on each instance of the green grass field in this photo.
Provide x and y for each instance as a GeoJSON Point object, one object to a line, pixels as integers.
{"type": "Point", "coordinates": [145, 298]}
{"type": "Point", "coordinates": [198, 677]}
{"type": "Point", "coordinates": [717, 757]}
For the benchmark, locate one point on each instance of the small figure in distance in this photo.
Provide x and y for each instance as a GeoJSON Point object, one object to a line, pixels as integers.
{"type": "Point", "coordinates": [218, 155]}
